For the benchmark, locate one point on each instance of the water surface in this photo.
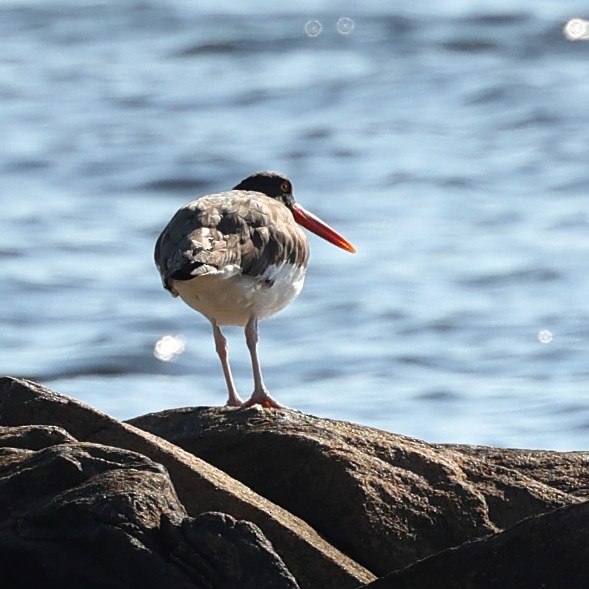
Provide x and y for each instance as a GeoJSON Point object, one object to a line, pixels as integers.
{"type": "Point", "coordinates": [449, 144]}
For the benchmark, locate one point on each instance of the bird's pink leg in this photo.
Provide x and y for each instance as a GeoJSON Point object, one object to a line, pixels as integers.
{"type": "Point", "coordinates": [260, 394]}
{"type": "Point", "coordinates": [222, 350]}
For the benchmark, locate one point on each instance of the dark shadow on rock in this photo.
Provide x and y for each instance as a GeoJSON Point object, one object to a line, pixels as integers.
{"type": "Point", "coordinates": [87, 515]}
{"type": "Point", "coordinates": [547, 551]}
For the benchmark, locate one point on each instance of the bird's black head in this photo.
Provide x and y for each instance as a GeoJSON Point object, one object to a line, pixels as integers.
{"type": "Point", "coordinates": [272, 184]}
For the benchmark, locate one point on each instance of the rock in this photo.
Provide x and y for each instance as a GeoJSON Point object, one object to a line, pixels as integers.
{"type": "Point", "coordinates": [548, 550]}
{"type": "Point", "coordinates": [88, 515]}
{"type": "Point", "coordinates": [236, 552]}
{"type": "Point", "coordinates": [74, 481]}
{"type": "Point", "coordinates": [566, 471]}
{"type": "Point", "coordinates": [200, 487]}
{"type": "Point", "coordinates": [33, 437]}
{"type": "Point", "coordinates": [383, 499]}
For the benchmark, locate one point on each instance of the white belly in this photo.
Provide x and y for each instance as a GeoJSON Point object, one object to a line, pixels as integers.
{"type": "Point", "coordinates": [230, 298]}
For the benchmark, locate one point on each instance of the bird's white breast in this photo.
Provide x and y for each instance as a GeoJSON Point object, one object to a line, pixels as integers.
{"type": "Point", "coordinates": [231, 298]}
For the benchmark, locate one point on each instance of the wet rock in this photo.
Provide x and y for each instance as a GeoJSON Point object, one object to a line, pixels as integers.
{"type": "Point", "coordinates": [383, 499]}
{"type": "Point", "coordinates": [200, 486]}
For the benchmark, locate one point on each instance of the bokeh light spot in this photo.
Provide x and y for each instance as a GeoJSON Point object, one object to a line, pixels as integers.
{"type": "Point", "coordinates": [169, 347]}
{"type": "Point", "coordinates": [545, 336]}
{"type": "Point", "coordinates": [576, 29]}
{"type": "Point", "coordinates": [313, 28]}
{"type": "Point", "coordinates": [345, 25]}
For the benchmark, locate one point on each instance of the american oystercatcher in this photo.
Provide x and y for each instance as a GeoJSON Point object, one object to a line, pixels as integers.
{"type": "Point", "coordinates": [238, 257]}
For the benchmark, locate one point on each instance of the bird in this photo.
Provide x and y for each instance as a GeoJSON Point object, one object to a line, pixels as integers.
{"type": "Point", "coordinates": [238, 257]}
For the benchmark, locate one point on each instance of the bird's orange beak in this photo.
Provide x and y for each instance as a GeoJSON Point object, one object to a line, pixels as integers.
{"type": "Point", "coordinates": [318, 227]}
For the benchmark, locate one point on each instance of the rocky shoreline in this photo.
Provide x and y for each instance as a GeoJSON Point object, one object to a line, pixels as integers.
{"type": "Point", "coordinates": [222, 498]}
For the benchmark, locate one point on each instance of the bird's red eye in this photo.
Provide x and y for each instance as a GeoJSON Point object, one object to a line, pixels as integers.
{"type": "Point", "coordinates": [285, 187]}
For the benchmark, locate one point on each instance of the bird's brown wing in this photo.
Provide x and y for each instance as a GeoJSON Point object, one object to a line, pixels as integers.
{"type": "Point", "coordinates": [246, 231]}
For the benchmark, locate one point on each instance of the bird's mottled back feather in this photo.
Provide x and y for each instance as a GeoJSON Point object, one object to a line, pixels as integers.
{"type": "Point", "coordinates": [240, 229]}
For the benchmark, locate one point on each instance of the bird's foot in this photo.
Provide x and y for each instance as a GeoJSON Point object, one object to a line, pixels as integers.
{"type": "Point", "coordinates": [264, 399]}
{"type": "Point", "coordinates": [234, 401]}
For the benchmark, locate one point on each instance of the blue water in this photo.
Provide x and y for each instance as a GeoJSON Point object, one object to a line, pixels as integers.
{"type": "Point", "coordinates": [449, 143]}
